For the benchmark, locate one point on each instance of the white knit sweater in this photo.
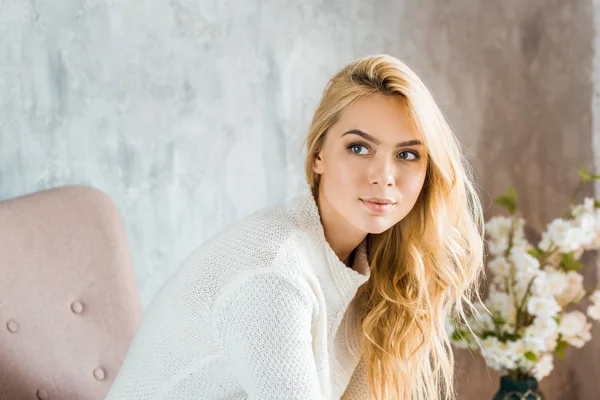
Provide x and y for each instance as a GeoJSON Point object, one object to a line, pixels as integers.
{"type": "Point", "coordinates": [262, 311]}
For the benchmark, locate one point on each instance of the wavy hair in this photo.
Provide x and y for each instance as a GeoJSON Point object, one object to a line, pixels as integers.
{"type": "Point", "coordinates": [429, 265]}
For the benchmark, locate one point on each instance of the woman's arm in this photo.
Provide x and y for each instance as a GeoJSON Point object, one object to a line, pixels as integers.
{"type": "Point", "coordinates": [358, 387]}
{"type": "Point", "coordinates": [264, 323]}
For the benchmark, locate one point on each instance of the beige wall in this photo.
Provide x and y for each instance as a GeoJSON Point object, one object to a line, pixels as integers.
{"type": "Point", "coordinates": [515, 78]}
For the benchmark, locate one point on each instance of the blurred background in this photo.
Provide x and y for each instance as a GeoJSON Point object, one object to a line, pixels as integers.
{"type": "Point", "coordinates": [190, 114]}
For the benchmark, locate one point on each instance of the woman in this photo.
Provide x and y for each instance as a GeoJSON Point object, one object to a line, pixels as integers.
{"type": "Point", "coordinates": [342, 292]}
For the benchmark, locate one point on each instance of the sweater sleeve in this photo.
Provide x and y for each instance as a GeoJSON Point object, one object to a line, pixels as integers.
{"type": "Point", "coordinates": [358, 387]}
{"type": "Point", "coordinates": [264, 323]}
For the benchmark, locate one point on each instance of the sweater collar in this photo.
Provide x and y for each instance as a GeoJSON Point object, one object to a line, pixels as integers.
{"type": "Point", "coordinates": [346, 280]}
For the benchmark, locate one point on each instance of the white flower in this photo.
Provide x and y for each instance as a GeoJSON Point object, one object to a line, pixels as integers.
{"type": "Point", "coordinates": [551, 289]}
{"type": "Point", "coordinates": [543, 307]}
{"type": "Point", "coordinates": [539, 286]}
{"type": "Point", "coordinates": [481, 320]}
{"type": "Point", "coordinates": [557, 229]}
{"type": "Point", "coordinates": [498, 230]}
{"type": "Point", "coordinates": [585, 219]}
{"type": "Point", "coordinates": [571, 323]}
{"type": "Point", "coordinates": [543, 367]}
{"type": "Point", "coordinates": [524, 260]}
{"type": "Point", "coordinates": [556, 282]}
{"type": "Point", "coordinates": [594, 312]}
{"type": "Point", "coordinates": [499, 266]}
{"type": "Point", "coordinates": [519, 233]}
{"type": "Point", "coordinates": [521, 243]}
{"type": "Point", "coordinates": [569, 236]}
{"type": "Point", "coordinates": [501, 305]}
{"type": "Point", "coordinates": [490, 352]}
{"type": "Point", "coordinates": [498, 246]}
{"type": "Point", "coordinates": [500, 355]}
{"type": "Point", "coordinates": [544, 327]}
{"type": "Point", "coordinates": [586, 225]}
{"type": "Point", "coordinates": [526, 265]}
{"type": "Point", "coordinates": [541, 335]}
{"type": "Point", "coordinates": [534, 343]}
{"type": "Point", "coordinates": [582, 339]}
{"type": "Point", "coordinates": [574, 239]}
{"type": "Point", "coordinates": [574, 328]}
{"type": "Point", "coordinates": [518, 349]}
{"type": "Point", "coordinates": [595, 242]}
{"type": "Point", "coordinates": [545, 243]}
{"type": "Point", "coordinates": [574, 290]}
{"type": "Point", "coordinates": [551, 343]}
{"type": "Point", "coordinates": [498, 227]}
{"type": "Point", "coordinates": [587, 207]}
{"type": "Point", "coordinates": [515, 353]}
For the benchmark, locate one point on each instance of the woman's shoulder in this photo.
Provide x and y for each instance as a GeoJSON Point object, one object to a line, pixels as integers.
{"type": "Point", "coordinates": [272, 226]}
{"type": "Point", "coordinates": [271, 238]}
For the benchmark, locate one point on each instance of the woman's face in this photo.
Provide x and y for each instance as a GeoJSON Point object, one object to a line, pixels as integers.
{"type": "Point", "coordinates": [371, 156]}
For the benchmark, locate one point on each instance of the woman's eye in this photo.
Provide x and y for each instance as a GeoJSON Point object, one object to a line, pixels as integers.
{"type": "Point", "coordinates": [405, 154]}
{"type": "Point", "coordinates": [358, 149]}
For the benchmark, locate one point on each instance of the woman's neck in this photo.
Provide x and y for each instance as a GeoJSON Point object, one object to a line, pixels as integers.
{"type": "Point", "coordinates": [342, 237]}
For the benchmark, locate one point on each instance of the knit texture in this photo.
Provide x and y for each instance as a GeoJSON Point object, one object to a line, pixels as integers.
{"type": "Point", "coordinates": [263, 311]}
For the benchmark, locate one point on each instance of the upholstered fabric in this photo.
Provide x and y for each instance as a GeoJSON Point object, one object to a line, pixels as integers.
{"type": "Point", "coordinates": [69, 304]}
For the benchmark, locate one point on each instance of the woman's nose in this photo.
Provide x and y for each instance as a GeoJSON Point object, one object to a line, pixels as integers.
{"type": "Point", "coordinates": [382, 172]}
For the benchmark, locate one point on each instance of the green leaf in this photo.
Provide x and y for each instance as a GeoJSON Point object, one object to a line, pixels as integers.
{"type": "Point", "coordinates": [513, 337]}
{"type": "Point", "coordinates": [568, 262]}
{"type": "Point", "coordinates": [498, 320]}
{"type": "Point", "coordinates": [509, 200]}
{"type": "Point", "coordinates": [487, 334]}
{"type": "Point", "coordinates": [531, 356]}
{"type": "Point", "coordinates": [458, 335]}
{"type": "Point", "coordinates": [596, 203]}
{"type": "Point", "coordinates": [561, 345]}
{"type": "Point", "coordinates": [575, 267]}
{"type": "Point", "coordinates": [503, 200]}
{"type": "Point", "coordinates": [533, 252]}
{"type": "Point", "coordinates": [512, 193]}
{"type": "Point", "coordinates": [585, 176]}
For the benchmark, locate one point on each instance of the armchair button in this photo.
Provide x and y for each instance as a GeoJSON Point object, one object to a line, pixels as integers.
{"type": "Point", "coordinates": [77, 307]}
{"type": "Point", "coordinates": [99, 374]}
{"type": "Point", "coordinates": [12, 326]}
{"type": "Point", "coordinates": [42, 394]}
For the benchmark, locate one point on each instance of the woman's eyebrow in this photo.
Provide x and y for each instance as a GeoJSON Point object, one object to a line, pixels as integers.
{"type": "Point", "coordinates": [373, 139]}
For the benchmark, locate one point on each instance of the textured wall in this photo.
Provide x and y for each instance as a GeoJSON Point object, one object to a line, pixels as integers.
{"type": "Point", "coordinates": [189, 114]}
{"type": "Point", "coordinates": [516, 80]}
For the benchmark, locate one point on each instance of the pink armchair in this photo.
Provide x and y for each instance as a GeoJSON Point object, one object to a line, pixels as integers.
{"type": "Point", "coordinates": [69, 303]}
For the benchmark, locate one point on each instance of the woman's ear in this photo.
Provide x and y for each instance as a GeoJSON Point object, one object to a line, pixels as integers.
{"type": "Point", "coordinates": [318, 167]}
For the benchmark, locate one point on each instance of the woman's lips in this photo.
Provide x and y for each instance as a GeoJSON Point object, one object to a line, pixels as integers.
{"type": "Point", "coordinates": [378, 208]}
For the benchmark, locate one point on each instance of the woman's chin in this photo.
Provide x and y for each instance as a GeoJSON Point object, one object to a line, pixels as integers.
{"type": "Point", "coordinates": [377, 227]}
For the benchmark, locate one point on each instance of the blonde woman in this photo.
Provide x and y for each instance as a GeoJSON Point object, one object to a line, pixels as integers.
{"type": "Point", "coordinates": [342, 292]}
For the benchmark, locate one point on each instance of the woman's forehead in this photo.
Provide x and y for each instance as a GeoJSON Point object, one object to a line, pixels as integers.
{"type": "Point", "coordinates": [385, 118]}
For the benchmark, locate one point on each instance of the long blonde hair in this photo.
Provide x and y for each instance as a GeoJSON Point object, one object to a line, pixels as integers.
{"type": "Point", "coordinates": [426, 267]}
